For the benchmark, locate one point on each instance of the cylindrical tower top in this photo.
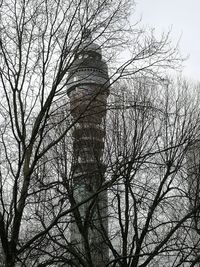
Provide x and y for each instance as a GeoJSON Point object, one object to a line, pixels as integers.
{"type": "Point", "coordinates": [87, 46]}
{"type": "Point", "coordinates": [88, 66]}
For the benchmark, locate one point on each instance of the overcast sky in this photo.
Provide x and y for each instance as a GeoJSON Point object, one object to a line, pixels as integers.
{"type": "Point", "coordinates": [184, 17]}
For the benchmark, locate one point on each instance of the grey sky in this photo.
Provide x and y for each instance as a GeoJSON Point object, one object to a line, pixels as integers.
{"type": "Point", "coordinates": [184, 17]}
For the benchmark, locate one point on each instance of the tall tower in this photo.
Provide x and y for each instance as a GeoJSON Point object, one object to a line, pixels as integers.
{"type": "Point", "coordinates": [88, 91]}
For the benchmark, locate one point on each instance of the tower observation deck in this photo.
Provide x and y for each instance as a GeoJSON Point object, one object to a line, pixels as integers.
{"type": "Point", "coordinates": [88, 89]}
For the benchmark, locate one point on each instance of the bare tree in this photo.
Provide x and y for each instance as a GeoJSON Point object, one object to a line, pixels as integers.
{"type": "Point", "coordinates": [38, 44]}
{"type": "Point", "coordinates": [151, 135]}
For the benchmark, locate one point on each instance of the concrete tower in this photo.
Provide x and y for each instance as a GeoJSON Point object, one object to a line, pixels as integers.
{"type": "Point", "coordinates": [88, 91]}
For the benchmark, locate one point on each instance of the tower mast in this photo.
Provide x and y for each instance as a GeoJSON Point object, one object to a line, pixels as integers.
{"type": "Point", "coordinates": [88, 91]}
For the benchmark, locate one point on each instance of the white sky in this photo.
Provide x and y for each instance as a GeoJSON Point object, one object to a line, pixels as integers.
{"type": "Point", "coordinates": [184, 18]}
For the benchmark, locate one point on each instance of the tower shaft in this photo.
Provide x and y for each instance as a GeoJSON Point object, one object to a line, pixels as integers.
{"type": "Point", "coordinates": [88, 92]}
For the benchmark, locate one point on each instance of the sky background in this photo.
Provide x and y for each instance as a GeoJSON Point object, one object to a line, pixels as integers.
{"type": "Point", "coordinates": [183, 16]}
